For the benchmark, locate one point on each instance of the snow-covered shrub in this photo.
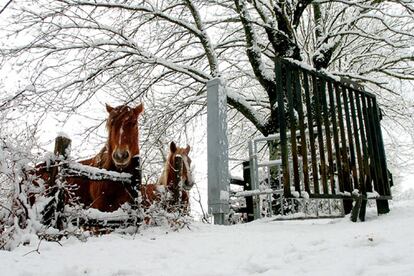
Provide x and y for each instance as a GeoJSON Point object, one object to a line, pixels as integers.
{"type": "Point", "coordinates": [15, 159]}
{"type": "Point", "coordinates": [57, 215]}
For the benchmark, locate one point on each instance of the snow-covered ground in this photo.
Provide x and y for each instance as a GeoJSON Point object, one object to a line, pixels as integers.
{"type": "Point", "coordinates": [380, 246]}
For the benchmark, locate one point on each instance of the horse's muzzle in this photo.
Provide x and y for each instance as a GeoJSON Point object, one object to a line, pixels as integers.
{"type": "Point", "coordinates": [121, 158]}
{"type": "Point", "coordinates": [187, 185]}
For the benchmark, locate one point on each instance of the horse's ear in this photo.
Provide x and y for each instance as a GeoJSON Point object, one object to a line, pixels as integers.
{"type": "Point", "coordinates": [173, 147]}
{"type": "Point", "coordinates": [109, 108]}
{"type": "Point", "coordinates": [187, 149]}
{"type": "Point", "coordinates": [138, 109]}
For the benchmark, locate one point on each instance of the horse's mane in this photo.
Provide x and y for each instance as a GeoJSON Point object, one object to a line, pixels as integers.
{"type": "Point", "coordinates": [167, 173]}
{"type": "Point", "coordinates": [103, 159]}
{"type": "Point", "coordinates": [100, 160]}
{"type": "Point", "coordinates": [112, 119]}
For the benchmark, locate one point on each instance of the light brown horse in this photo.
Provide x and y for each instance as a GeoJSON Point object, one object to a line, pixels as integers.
{"type": "Point", "coordinates": [120, 148]}
{"type": "Point", "coordinates": [172, 184]}
{"type": "Point", "coordinates": [122, 145]}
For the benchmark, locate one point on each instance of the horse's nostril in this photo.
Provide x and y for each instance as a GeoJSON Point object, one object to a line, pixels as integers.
{"type": "Point", "coordinates": [188, 185]}
{"type": "Point", "coordinates": [121, 155]}
{"type": "Point", "coordinates": [125, 155]}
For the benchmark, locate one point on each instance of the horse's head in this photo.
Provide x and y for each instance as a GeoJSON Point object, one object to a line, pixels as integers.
{"type": "Point", "coordinates": [122, 126]}
{"type": "Point", "coordinates": [186, 178]}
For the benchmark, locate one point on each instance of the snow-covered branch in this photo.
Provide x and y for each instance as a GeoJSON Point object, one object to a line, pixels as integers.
{"type": "Point", "coordinates": [163, 52]}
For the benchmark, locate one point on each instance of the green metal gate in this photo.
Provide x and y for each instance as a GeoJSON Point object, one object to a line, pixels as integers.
{"type": "Point", "coordinates": [331, 144]}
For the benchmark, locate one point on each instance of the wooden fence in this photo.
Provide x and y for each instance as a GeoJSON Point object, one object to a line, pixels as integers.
{"type": "Point", "coordinates": [60, 167]}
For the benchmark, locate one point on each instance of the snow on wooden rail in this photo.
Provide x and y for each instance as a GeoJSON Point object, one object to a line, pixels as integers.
{"type": "Point", "coordinates": [77, 169]}
{"type": "Point", "coordinates": [254, 192]}
{"type": "Point", "coordinates": [54, 212]}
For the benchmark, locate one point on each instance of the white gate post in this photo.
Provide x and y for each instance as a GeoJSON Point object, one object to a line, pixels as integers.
{"type": "Point", "coordinates": [217, 148]}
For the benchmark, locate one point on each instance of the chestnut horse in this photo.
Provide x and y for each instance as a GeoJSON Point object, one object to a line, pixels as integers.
{"type": "Point", "coordinates": [122, 145]}
{"type": "Point", "coordinates": [174, 184]}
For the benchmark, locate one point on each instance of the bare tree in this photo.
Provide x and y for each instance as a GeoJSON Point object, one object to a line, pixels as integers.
{"type": "Point", "coordinates": [164, 52]}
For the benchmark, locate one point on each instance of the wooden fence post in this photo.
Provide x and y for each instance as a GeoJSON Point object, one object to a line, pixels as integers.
{"type": "Point", "coordinates": [280, 88]}
{"type": "Point", "coordinates": [136, 179]}
{"type": "Point", "coordinates": [51, 214]}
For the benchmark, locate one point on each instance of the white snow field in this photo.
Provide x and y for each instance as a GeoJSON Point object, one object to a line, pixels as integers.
{"type": "Point", "coordinates": [380, 246]}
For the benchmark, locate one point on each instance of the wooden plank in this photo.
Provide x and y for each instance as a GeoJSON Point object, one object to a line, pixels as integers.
{"type": "Point", "coordinates": [380, 165]}
{"type": "Point", "coordinates": [381, 150]}
{"type": "Point", "coordinates": [317, 84]}
{"type": "Point", "coordinates": [349, 139]}
{"type": "Point", "coordinates": [374, 164]}
{"type": "Point", "coordinates": [328, 137]}
{"type": "Point", "coordinates": [365, 141]}
{"type": "Point", "coordinates": [280, 84]}
{"type": "Point", "coordinates": [292, 120]}
{"type": "Point", "coordinates": [136, 178]}
{"type": "Point", "coordinates": [334, 120]}
{"type": "Point", "coordinates": [352, 98]}
{"type": "Point", "coordinates": [343, 178]}
{"type": "Point", "coordinates": [303, 143]}
{"type": "Point", "coordinates": [365, 176]}
{"type": "Point", "coordinates": [309, 114]}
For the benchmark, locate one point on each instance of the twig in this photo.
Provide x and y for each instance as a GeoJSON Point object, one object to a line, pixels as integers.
{"type": "Point", "coordinates": [36, 250]}
{"type": "Point", "coordinates": [8, 3]}
{"type": "Point", "coordinates": [205, 216]}
{"type": "Point", "coordinates": [1, 205]}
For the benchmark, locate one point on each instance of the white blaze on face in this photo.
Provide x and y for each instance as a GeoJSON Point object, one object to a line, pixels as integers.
{"type": "Point", "coordinates": [122, 147]}
{"type": "Point", "coordinates": [187, 166]}
{"type": "Point", "coordinates": [121, 134]}
{"type": "Point", "coordinates": [121, 139]}
{"type": "Point", "coordinates": [121, 131]}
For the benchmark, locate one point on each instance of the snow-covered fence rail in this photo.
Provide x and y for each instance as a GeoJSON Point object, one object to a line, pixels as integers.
{"type": "Point", "coordinates": [76, 169]}
{"type": "Point", "coordinates": [61, 168]}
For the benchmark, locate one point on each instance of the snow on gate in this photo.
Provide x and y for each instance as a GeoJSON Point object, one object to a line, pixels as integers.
{"type": "Point", "coordinates": [329, 146]}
